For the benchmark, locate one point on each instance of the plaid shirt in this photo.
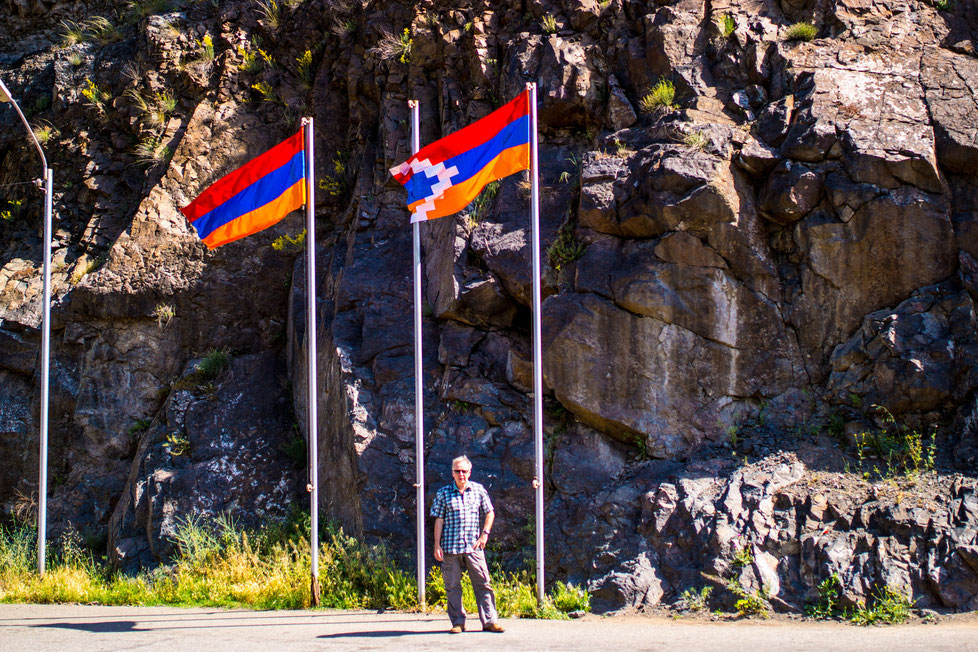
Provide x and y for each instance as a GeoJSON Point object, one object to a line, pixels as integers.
{"type": "Point", "coordinates": [462, 512]}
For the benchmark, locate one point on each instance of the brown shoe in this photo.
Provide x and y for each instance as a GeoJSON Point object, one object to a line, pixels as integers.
{"type": "Point", "coordinates": [493, 627]}
{"type": "Point", "coordinates": [457, 629]}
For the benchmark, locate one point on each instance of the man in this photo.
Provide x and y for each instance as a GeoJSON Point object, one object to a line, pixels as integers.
{"type": "Point", "coordinates": [460, 543]}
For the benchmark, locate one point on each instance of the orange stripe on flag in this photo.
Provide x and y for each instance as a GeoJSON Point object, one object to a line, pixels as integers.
{"type": "Point", "coordinates": [510, 161]}
{"type": "Point", "coordinates": [262, 217]}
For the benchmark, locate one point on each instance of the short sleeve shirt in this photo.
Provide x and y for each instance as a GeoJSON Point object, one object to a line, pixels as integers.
{"type": "Point", "coordinates": [462, 512]}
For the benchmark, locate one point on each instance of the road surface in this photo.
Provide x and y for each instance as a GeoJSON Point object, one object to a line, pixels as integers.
{"type": "Point", "coordinates": [79, 628]}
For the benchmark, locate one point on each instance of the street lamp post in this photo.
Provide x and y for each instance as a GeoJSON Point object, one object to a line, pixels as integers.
{"type": "Point", "coordinates": [48, 185]}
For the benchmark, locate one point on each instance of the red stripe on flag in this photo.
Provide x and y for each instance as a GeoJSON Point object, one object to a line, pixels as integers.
{"type": "Point", "coordinates": [477, 133]}
{"type": "Point", "coordinates": [231, 184]}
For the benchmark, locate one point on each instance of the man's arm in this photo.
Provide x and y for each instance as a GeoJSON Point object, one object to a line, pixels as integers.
{"type": "Point", "coordinates": [439, 523]}
{"type": "Point", "coordinates": [486, 528]}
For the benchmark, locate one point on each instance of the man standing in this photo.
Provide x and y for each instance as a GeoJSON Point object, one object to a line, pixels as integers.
{"type": "Point", "coordinates": [460, 543]}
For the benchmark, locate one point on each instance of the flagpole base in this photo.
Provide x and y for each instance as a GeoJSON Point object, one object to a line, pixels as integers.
{"type": "Point", "coordinates": [314, 591]}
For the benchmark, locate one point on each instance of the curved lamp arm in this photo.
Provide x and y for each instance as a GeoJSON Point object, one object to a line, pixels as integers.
{"type": "Point", "coordinates": [5, 96]}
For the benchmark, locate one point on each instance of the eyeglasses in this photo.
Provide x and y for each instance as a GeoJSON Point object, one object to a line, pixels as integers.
{"type": "Point", "coordinates": [462, 471]}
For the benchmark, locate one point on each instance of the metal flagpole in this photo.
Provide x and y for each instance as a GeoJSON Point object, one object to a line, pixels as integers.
{"type": "Point", "coordinates": [42, 509]}
{"type": "Point", "coordinates": [418, 372]}
{"type": "Point", "coordinates": [42, 481]}
{"type": "Point", "coordinates": [312, 421]}
{"type": "Point", "coordinates": [537, 347]}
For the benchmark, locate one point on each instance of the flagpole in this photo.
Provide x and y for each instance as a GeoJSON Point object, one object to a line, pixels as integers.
{"type": "Point", "coordinates": [312, 421]}
{"type": "Point", "coordinates": [418, 372]}
{"type": "Point", "coordinates": [537, 347]}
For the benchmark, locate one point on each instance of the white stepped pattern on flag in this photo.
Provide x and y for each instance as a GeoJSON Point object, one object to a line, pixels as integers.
{"type": "Point", "coordinates": [437, 190]}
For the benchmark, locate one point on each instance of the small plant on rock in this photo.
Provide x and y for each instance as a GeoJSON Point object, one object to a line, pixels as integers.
{"type": "Point", "coordinates": [801, 32]}
{"type": "Point", "coordinates": [154, 108]}
{"type": "Point", "coordinates": [271, 13]}
{"type": "Point", "coordinates": [743, 556]}
{"type": "Point", "coordinates": [549, 24]}
{"type": "Point", "coordinates": [164, 312]}
{"type": "Point", "coordinates": [303, 68]}
{"type": "Point", "coordinates": [749, 603]}
{"type": "Point", "coordinates": [176, 444]}
{"type": "Point", "coordinates": [392, 46]}
{"type": "Point", "coordinates": [255, 59]}
{"type": "Point", "coordinates": [152, 149]}
{"type": "Point", "coordinates": [140, 9]}
{"type": "Point", "coordinates": [827, 605]}
{"type": "Point", "coordinates": [206, 46]}
{"type": "Point", "coordinates": [289, 244]}
{"type": "Point", "coordinates": [566, 247]}
{"type": "Point", "coordinates": [44, 132]}
{"type": "Point", "coordinates": [213, 363]}
{"type": "Point", "coordinates": [696, 140]}
{"type": "Point", "coordinates": [95, 97]}
{"type": "Point", "coordinates": [71, 33]}
{"type": "Point", "coordinates": [726, 25]}
{"type": "Point", "coordinates": [266, 91]}
{"type": "Point", "coordinates": [483, 202]}
{"type": "Point", "coordinates": [696, 601]}
{"type": "Point", "coordinates": [660, 97]}
{"type": "Point", "coordinates": [102, 30]}
{"type": "Point", "coordinates": [890, 607]}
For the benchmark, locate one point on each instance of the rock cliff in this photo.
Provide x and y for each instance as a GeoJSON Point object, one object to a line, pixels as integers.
{"type": "Point", "coordinates": [753, 233]}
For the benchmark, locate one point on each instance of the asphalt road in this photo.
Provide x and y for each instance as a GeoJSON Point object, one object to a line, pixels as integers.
{"type": "Point", "coordinates": [78, 628]}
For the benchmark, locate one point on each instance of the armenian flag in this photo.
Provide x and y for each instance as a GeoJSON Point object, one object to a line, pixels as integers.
{"type": "Point", "coordinates": [253, 197]}
{"type": "Point", "coordinates": [442, 178]}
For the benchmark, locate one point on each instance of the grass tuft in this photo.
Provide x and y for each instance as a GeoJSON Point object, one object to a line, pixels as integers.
{"type": "Point", "coordinates": [662, 96]}
{"type": "Point", "coordinates": [801, 32]}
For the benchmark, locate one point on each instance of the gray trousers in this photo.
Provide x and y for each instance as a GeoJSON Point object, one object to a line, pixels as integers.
{"type": "Point", "coordinates": [485, 597]}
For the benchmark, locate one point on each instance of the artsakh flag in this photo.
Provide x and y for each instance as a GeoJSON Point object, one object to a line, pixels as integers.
{"type": "Point", "coordinates": [445, 176]}
{"type": "Point", "coordinates": [253, 197]}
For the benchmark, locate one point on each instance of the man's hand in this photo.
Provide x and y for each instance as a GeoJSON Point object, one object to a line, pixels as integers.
{"type": "Point", "coordinates": [483, 539]}
{"type": "Point", "coordinates": [438, 553]}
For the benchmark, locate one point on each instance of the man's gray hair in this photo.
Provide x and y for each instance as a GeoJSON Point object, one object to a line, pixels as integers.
{"type": "Point", "coordinates": [462, 458]}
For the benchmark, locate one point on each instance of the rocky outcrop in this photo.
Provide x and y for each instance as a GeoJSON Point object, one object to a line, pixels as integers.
{"type": "Point", "coordinates": [664, 528]}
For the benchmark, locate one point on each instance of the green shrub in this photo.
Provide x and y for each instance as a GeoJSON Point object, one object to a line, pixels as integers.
{"type": "Point", "coordinates": [696, 600]}
{"type": "Point", "coordinates": [213, 363]}
{"type": "Point", "coordinates": [290, 244]}
{"type": "Point", "coordinates": [565, 247]}
{"type": "Point", "coordinates": [827, 605]}
{"type": "Point", "coordinates": [749, 603]}
{"type": "Point", "coordinates": [801, 32]}
{"type": "Point", "coordinates": [549, 24]}
{"type": "Point", "coordinates": [662, 96]}
{"type": "Point", "coordinates": [890, 607]}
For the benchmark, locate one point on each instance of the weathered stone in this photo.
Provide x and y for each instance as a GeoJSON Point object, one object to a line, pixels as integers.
{"type": "Point", "coordinates": [891, 246]}
{"type": "Point", "coordinates": [621, 113]}
{"type": "Point", "coordinates": [791, 192]}
{"type": "Point", "coordinates": [924, 360]}
{"type": "Point", "coordinates": [951, 83]}
{"type": "Point", "coordinates": [666, 326]}
{"type": "Point", "coordinates": [757, 159]}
